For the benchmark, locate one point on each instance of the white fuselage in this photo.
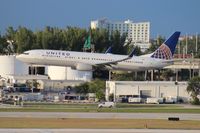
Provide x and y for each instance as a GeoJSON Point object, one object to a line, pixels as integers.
{"type": "Point", "coordinates": [84, 59]}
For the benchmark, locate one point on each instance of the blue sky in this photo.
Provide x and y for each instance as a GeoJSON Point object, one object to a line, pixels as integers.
{"type": "Point", "coordinates": [165, 16]}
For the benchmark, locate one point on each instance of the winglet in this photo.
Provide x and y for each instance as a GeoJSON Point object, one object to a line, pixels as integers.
{"type": "Point", "coordinates": [132, 53]}
{"type": "Point", "coordinates": [109, 50]}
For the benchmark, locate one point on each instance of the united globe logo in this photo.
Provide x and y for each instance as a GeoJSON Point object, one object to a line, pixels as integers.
{"type": "Point", "coordinates": [163, 52]}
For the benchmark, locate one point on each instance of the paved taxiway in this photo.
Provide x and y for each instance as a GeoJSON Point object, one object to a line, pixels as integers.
{"type": "Point", "coordinates": [182, 116]}
{"type": "Point", "coordinates": [96, 131]}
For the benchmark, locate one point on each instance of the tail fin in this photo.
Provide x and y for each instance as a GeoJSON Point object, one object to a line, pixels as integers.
{"type": "Point", "coordinates": [167, 49]}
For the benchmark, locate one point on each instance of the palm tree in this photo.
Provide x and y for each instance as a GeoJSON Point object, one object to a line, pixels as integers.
{"type": "Point", "coordinates": [194, 89]}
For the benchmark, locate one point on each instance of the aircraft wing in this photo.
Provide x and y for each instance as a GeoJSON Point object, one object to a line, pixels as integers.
{"type": "Point", "coordinates": [115, 62]}
{"type": "Point", "coordinates": [105, 65]}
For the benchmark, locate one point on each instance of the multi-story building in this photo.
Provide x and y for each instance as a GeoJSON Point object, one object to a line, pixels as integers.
{"type": "Point", "coordinates": [138, 33]}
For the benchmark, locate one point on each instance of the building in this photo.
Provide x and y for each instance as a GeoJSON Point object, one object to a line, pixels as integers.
{"type": "Point", "coordinates": [57, 85]}
{"type": "Point", "coordinates": [66, 73]}
{"type": "Point", "coordinates": [147, 89]}
{"type": "Point", "coordinates": [102, 23]}
{"type": "Point", "coordinates": [137, 32]}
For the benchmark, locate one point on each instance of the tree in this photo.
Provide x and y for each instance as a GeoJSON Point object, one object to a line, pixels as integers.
{"type": "Point", "coordinates": [100, 38]}
{"type": "Point", "coordinates": [100, 95]}
{"type": "Point", "coordinates": [96, 86]}
{"type": "Point", "coordinates": [3, 45]}
{"type": "Point", "coordinates": [24, 39]}
{"type": "Point", "coordinates": [155, 44]}
{"type": "Point", "coordinates": [38, 40]}
{"type": "Point", "coordinates": [122, 76]}
{"type": "Point", "coordinates": [137, 50]}
{"type": "Point", "coordinates": [82, 88]}
{"type": "Point", "coordinates": [74, 38]}
{"type": "Point", "coordinates": [166, 74]}
{"type": "Point", "coordinates": [47, 38]}
{"type": "Point", "coordinates": [10, 36]}
{"type": "Point", "coordinates": [194, 89]}
{"type": "Point", "coordinates": [117, 42]}
{"type": "Point", "coordinates": [197, 55]}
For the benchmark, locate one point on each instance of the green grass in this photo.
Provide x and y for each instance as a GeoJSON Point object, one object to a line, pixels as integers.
{"type": "Point", "coordinates": [121, 108]}
{"type": "Point", "coordinates": [59, 105]}
{"type": "Point", "coordinates": [83, 105]}
{"type": "Point", "coordinates": [126, 105]}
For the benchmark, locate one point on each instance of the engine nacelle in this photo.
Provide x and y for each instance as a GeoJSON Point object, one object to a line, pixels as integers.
{"type": "Point", "coordinates": [83, 67]}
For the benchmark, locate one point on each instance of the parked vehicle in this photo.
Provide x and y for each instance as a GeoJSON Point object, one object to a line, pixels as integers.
{"type": "Point", "coordinates": [170, 100]}
{"type": "Point", "coordinates": [154, 100]}
{"type": "Point", "coordinates": [134, 100]}
{"type": "Point", "coordinates": [106, 104]}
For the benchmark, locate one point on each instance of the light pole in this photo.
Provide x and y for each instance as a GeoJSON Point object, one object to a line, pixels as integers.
{"type": "Point", "coordinates": [114, 95]}
{"type": "Point", "coordinates": [110, 75]}
{"type": "Point", "coordinates": [186, 44]}
{"type": "Point", "coordinates": [199, 68]}
{"type": "Point", "coordinates": [196, 43]}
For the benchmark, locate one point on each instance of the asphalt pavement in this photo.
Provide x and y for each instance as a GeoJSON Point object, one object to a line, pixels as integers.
{"type": "Point", "coordinates": [96, 131]}
{"type": "Point", "coordinates": [182, 116]}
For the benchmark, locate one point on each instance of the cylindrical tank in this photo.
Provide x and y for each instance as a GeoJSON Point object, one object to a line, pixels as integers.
{"type": "Point", "coordinates": [9, 65]}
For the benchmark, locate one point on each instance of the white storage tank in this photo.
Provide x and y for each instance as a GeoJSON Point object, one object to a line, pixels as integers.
{"type": "Point", "coordinates": [9, 65]}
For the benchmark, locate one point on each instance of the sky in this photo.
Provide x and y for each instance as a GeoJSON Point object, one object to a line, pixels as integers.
{"type": "Point", "coordinates": [165, 16]}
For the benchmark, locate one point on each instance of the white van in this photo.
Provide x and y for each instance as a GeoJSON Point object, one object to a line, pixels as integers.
{"type": "Point", "coordinates": [106, 104]}
{"type": "Point", "coordinates": [153, 100]}
{"type": "Point", "coordinates": [134, 100]}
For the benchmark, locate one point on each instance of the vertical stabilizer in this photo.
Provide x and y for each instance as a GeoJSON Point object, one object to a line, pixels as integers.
{"type": "Point", "coordinates": [167, 49]}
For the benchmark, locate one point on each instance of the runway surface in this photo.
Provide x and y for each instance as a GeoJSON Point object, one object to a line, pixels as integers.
{"type": "Point", "coordinates": [182, 116]}
{"type": "Point", "coordinates": [96, 131]}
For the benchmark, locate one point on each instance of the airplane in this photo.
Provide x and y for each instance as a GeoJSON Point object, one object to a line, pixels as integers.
{"type": "Point", "coordinates": [84, 61]}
